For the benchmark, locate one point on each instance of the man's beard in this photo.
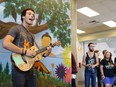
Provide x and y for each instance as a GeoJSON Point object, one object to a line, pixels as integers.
{"type": "Point", "coordinates": [91, 50]}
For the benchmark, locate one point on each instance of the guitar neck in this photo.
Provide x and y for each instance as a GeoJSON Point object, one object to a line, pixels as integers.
{"type": "Point", "coordinates": [44, 49]}
{"type": "Point", "coordinates": [41, 50]}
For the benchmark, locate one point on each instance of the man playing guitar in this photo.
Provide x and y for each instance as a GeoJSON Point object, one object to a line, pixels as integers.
{"type": "Point", "coordinates": [16, 40]}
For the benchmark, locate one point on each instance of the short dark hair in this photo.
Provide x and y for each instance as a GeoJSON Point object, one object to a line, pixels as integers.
{"type": "Point", "coordinates": [90, 44]}
{"type": "Point", "coordinates": [23, 13]}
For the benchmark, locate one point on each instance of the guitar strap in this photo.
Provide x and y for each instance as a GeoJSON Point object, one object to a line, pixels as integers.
{"type": "Point", "coordinates": [34, 40]}
{"type": "Point", "coordinates": [32, 37]}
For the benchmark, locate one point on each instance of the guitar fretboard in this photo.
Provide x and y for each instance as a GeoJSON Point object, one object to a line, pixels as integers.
{"type": "Point", "coordinates": [41, 50]}
{"type": "Point", "coordinates": [44, 49]}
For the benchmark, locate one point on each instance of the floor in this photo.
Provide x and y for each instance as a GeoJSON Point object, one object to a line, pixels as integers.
{"type": "Point", "coordinates": [81, 84]}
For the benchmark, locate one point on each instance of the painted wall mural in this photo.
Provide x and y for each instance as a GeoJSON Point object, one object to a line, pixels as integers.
{"type": "Point", "coordinates": [52, 24]}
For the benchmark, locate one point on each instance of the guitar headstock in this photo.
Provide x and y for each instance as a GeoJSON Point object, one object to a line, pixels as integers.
{"type": "Point", "coordinates": [58, 43]}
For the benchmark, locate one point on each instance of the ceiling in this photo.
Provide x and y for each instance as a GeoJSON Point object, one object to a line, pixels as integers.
{"type": "Point", "coordinates": [107, 10]}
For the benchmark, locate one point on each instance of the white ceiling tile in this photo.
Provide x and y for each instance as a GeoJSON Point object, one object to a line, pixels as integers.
{"type": "Point", "coordinates": [106, 8]}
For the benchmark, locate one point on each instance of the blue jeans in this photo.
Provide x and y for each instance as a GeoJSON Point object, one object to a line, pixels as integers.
{"type": "Point", "coordinates": [23, 79]}
{"type": "Point", "coordinates": [90, 76]}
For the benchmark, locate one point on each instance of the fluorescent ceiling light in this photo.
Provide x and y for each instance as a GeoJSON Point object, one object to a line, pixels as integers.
{"type": "Point", "coordinates": [80, 31]}
{"type": "Point", "coordinates": [110, 23]}
{"type": "Point", "coordinates": [87, 11]}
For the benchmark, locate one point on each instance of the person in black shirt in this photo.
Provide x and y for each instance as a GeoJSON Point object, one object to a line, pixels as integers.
{"type": "Point", "coordinates": [103, 52]}
{"type": "Point", "coordinates": [115, 70]}
{"type": "Point", "coordinates": [98, 70]}
{"type": "Point", "coordinates": [107, 70]}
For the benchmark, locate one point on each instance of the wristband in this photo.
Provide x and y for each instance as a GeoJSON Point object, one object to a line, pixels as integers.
{"type": "Point", "coordinates": [25, 52]}
{"type": "Point", "coordinates": [22, 52]}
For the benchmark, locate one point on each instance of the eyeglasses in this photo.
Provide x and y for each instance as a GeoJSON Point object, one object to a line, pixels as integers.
{"type": "Point", "coordinates": [92, 46]}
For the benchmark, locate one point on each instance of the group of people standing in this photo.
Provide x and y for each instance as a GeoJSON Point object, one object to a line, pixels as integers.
{"type": "Point", "coordinates": [95, 67]}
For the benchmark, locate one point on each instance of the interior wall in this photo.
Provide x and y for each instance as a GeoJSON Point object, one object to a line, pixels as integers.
{"type": "Point", "coordinates": [93, 36]}
{"type": "Point", "coordinates": [74, 37]}
{"type": "Point", "coordinates": [48, 30]}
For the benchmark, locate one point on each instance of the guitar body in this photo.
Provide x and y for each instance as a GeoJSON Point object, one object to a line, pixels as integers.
{"type": "Point", "coordinates": [25, 63]}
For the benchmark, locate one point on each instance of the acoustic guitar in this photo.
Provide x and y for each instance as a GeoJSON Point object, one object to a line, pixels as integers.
{"type": "Point", "coordinates": [25, 63]}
